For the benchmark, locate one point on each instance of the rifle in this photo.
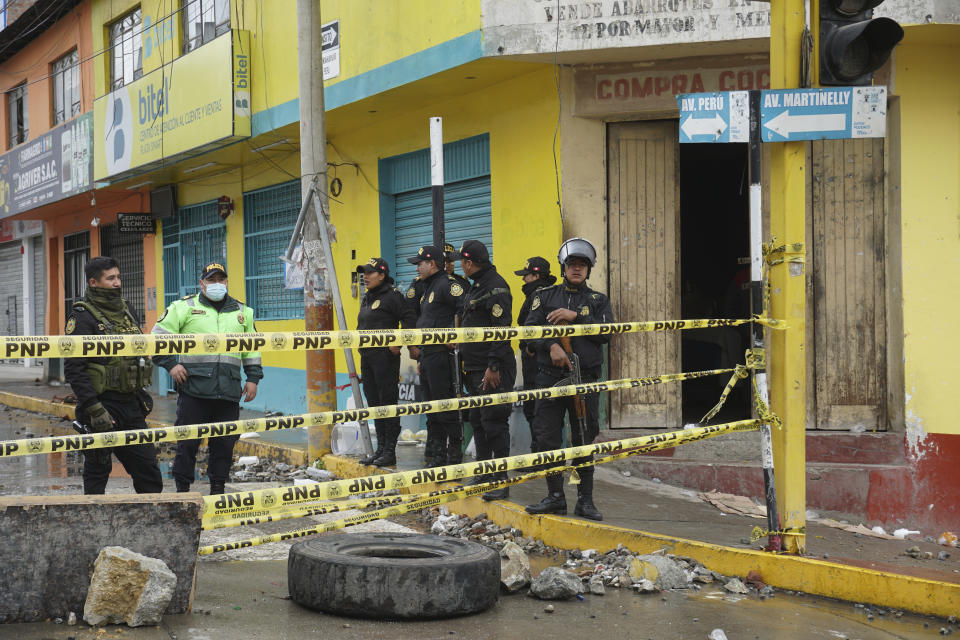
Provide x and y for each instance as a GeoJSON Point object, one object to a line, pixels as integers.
{"type": "Point", "coordinates": [458, 383]}
{"type": "Point", "coordinates": [579, 404]}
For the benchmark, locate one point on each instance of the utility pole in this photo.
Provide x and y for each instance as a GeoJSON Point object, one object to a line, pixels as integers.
{"type": "Point", "coordinates": [787, 363]}
{"type": "Point", "coordinates": [317, 294]}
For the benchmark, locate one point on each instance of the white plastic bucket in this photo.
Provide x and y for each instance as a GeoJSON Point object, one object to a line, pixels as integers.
{"type": "Point", "coordinates": [345, 439]}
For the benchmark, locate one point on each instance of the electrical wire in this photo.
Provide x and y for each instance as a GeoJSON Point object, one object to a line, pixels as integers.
{"type": "Point", "coordinates": [110, 47]}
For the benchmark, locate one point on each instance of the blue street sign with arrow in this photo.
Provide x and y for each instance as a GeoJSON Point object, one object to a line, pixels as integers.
{"type": "Point", "coordinates": [722, 116]}
{"type": "Point", "coordinates": [823, 114]}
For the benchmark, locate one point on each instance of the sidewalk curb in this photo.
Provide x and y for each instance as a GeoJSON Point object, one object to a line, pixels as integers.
{"type": "Point", "coordinates": [817, 577]}
{"type": "Point", "coordinates": [244, 446]}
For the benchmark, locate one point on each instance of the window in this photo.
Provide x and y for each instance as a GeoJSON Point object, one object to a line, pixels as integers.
{"type": "Point", "coordinates": [197, 235]}
{"type": "Point", "coordinates": [204, 20]}
{"type": "Point", "coordinates": [269, 217]}
{"type": "Point", "coordinates": [76, 252]}
{"type": "Point", "coordinates": [66, 87]}
{"type": "Point", "coordinates": [17, 114]}
{"type": "Point", "coordinates": [126, 60]}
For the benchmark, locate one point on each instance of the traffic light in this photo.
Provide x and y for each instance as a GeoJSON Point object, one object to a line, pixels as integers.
{"type": "Point", "coordinates": [854, 44]}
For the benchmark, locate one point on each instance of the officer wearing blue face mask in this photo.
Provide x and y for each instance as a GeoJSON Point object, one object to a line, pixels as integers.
{"type": "Point", "coordinates": [209, 383]}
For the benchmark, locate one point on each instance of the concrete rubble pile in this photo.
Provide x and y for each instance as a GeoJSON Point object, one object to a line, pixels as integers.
{"type": "Point", "coordinates": [617, 568]}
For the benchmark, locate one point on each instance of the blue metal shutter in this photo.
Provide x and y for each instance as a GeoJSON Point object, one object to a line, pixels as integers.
{"type": "Point", "coordinates": [269, 217]}
{"type": "Point", "coordinates": [197, 237]}
{"type": "Point", "coordinates": [467, 216]}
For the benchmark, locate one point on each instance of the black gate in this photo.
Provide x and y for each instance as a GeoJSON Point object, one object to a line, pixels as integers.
{"type": "Point", "coordinates": [127, 250]}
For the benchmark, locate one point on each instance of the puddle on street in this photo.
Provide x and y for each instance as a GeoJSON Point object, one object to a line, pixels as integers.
{"type": "Point", "coordinates": [52, 473]}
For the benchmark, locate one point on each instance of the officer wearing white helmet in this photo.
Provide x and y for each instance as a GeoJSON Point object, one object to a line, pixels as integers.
{"type": "Point", "coordinates": [569, 302]}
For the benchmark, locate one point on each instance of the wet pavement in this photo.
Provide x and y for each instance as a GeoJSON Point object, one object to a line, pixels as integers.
{"type": "Point", "coordinates": [244, 594]}
{"type": "Point", "coordinates": [249, 600]}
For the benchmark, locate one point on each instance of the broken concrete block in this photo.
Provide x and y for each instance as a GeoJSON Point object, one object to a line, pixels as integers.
{"type": "Point", "coordinates": [128, 587]}
{"type": "Point", "coordinates": [554, 583]}
{"type": "Point", "coordinates": [662, 571]}
{"type": "Point", "coordinates": [735, 585]}
{"type": "Point", "coordinates": [514, 567]}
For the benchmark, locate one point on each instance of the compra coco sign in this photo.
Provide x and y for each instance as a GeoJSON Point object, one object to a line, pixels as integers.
{"type": "Point", "coordinates": [199, 101]}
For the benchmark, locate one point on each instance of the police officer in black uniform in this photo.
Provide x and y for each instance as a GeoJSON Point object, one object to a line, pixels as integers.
{"type": "Point", "coordinates": [110, 391]}
{"type": "Point", "coordinates": [382, 307]}
{"type": "Point", "coordinates": [450, 254]}
{"type": "Point", "coordinates": [490, 367]}
{"type": "Point", "coordinates": [441, 299]}
{"type": "Point", "coordinates": [536, 275]}
{"type": "Point", "coordinates": [570, 302]}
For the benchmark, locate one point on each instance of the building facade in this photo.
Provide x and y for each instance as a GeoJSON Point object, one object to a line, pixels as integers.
{"type": "Point", "coordinates": [560, 120]}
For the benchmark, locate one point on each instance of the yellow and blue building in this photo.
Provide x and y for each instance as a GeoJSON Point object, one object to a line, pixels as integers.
{"type": "Point", "coordinates": [559, 120]}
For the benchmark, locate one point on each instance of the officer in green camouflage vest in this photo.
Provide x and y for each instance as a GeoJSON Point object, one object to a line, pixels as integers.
{"type": "Point", "coordinates": [111, 392]}
{"type": "Point", "coordinates": [209, 383]}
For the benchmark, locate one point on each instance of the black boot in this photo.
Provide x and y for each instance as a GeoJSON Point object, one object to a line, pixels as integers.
{"type": "Point", "coordinates": [216, 488]}
{"type": "Point", "coordinates": [585, 507]}
{"type": "Point", "coordinates": [182, 487]}
{"type": "Point", "coordinates": [379, 451]}
{"type": "Point", "coordinates": [454, 451]}
{"type": "Point", "coordinates": [555, 502]}
{"type": "Point", "coordinates": [388, 454]}
{"type": "Point", "coordinates": [503, 492]}
{"type": "Point", "coordinates": [433, 450]}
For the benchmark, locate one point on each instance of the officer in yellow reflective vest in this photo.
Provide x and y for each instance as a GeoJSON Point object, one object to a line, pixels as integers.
{"type": "Point", "coordinates": [209, 384]}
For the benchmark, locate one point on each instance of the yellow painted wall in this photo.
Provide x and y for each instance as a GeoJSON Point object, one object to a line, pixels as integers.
{"type": "Point", "coordinates": [372, 34]}
{"type": "Point", "coordinates": [524, 216]}
{"type": "Point", "coordinates": [929, 85]}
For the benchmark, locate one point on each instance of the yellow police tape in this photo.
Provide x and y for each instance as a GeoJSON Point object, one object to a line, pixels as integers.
{"type": "Point", "coordinates": [33, 446]}
{"type": "Point", "coordinates": [441, 496]}
{"type": "Point", "coordinates": [264, 499]}
{"type": "Point", "coordinates": [282, 512]}
{"type": "Point", "coordinates": [72, 346]}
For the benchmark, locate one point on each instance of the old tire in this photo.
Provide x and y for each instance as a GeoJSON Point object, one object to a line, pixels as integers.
{"type": "Point", "coordinates": [393, 575]}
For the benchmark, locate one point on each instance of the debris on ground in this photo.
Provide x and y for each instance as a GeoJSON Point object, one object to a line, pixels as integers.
{"type": "Point", "coordinates": [555, 583]}
{"type": "Point", "coordinates": [128, 587]}
{"type": "Point", "coordinates": [947, 539]}
{"type": "Point", "coordinates": [595, 570]}
{"type": "Point", "coordinates": [514, 568]}
{"type": "Point", "coordinates": [253, 469]}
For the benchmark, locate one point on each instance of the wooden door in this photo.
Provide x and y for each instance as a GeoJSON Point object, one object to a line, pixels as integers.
{"type": "Point", "coordinates": [644, 267]}
{"type": "Point", "coordinates": [849, 314]}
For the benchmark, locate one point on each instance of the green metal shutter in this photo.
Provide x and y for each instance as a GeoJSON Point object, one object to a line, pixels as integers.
{"type": "Point", "coordinates": [269, 217]}
{"type": "Point", "coordinates": [466, 217]}
{"type": "Point", "coordinates": [406, 218]}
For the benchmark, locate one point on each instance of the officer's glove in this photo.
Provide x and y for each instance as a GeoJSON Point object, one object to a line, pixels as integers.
{"type": "Point", "coordinates": [100, 420]}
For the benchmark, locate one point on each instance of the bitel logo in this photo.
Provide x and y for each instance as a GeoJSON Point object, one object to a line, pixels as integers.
{"type": "Point", "coordinates": [118, 123]}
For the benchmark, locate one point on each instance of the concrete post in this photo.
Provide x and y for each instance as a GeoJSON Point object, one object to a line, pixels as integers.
{"type": "Point", "coordinates": [318, 300]}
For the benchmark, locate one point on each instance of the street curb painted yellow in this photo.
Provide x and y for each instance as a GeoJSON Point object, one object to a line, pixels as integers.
{"type": "Point", "coordinates": [817, 577]}
{"type": "Point", "coordinates": [245, 446]}
{"type": "Point", "coordinates": [37, 405]}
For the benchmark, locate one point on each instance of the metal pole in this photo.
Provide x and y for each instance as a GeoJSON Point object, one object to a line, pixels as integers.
{"type": "Point", "coordinates": [787, 364]}
{"type": "Point", "coordinates": [756, 307]}
{"type": "Point", "coordinates": [27, 264]}
{"type": "Point", "coordinates": [317, 301]}
{"type": "Point", "coordinates": [436, 179]}
{"type": "Point", "coordinates": [323, 223]}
